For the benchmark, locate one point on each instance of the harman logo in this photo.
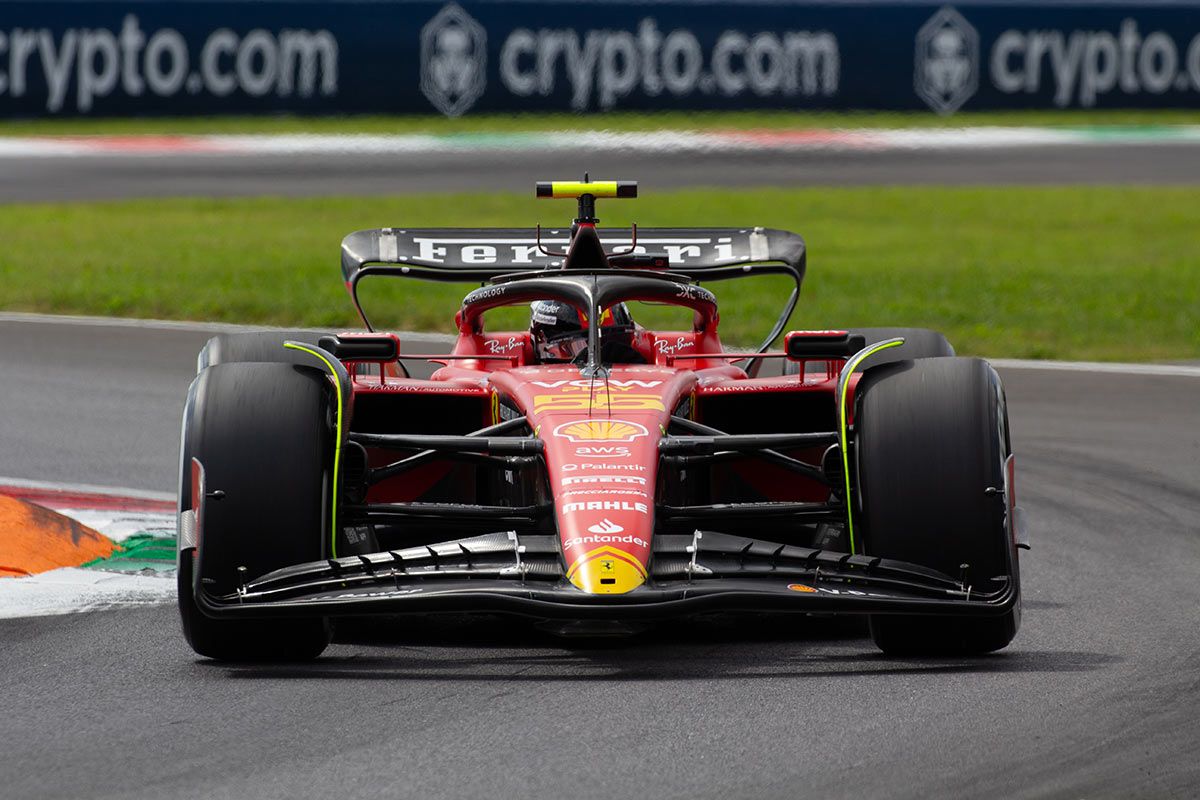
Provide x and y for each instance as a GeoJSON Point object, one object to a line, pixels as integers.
{"type": "Point", "coordinates": [947, 61]}
{"type": "Point", "coordinates": [453, 60]}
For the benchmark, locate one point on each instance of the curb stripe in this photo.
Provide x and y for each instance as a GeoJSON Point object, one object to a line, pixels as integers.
{"type": "Point", "coordinates": [646, 141]}
{"type": "Point", "coordinates": [35, 539]}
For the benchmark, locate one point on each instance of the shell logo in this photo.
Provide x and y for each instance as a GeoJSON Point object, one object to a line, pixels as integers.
{"type": "Point", "coordinates": [601, 430]}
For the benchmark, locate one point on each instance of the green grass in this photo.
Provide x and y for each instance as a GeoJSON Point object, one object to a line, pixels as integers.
{"type": "Point", "coordinates": [617, 121]}
{"type": "Point", "coordinates": [1090, 273]}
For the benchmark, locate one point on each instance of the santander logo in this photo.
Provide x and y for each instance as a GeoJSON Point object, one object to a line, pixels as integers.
{"type": "Point", "coordinates": [605, 526]}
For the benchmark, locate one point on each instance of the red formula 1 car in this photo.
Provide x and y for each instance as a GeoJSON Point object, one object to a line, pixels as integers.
{"type": "Point", "coordinates": [589, 472]}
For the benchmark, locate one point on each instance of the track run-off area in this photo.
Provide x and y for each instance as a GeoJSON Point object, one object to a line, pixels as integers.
{"type": "Point", "coordinates": [58, 168]}
{"type": "Point", "coordinates": [1096, 697]}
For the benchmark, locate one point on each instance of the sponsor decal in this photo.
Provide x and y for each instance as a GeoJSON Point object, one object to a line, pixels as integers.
{"type": "Point", "coordinates": [606, 505]}
{"type": "Point", "coordinates": [603, 451]}
{"type": "Point", "coordinates": [104, 63]}
{"type": "Point", "coordinates": [361, 595]}
{"type": "Point", "coordinates": [600, 430]}
{"type": "Point", "coordinates": [486, 293]}
{"type": "Point", "coordinates": [605, 526]}
{"type": "Point", "coordinates": [575, 480]}
{"type": "Point", "coordinates": [1082, 65]}
{"type": "Point", "coordinates": [500, 346]}
{"type": "Point", "coordinates": [618, 385]}
{"type": "Point", "coordinates": [668, 348]}
{"type": "Point", "coordinates": [604, 538]}
{"type": "Point", "coordinates": [437, 388]}
{"type": "Point", "coordinates": [453, 60]}
{"type": "Point", "coordinates": [947, 61]}
{"type": "Point", "coordinates": [806, 589]}
{"type": "Point", "coordinates": [607, 492]}
{"type": "Point", "coordinates": [600, 67]}
{"type": "Point", "coordinates": [587, 465]}
{"type": "Point", "coordinates": [687, 291]}
{"type": "Point", "coordinates": [599, 399]}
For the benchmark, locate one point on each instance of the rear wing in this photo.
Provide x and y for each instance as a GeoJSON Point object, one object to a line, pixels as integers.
{"type": "Point", "coordinates": [482, 254]}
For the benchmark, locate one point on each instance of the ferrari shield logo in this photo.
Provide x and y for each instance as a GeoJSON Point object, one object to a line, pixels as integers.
{"type": "Point", "coordinates": [453, 60]}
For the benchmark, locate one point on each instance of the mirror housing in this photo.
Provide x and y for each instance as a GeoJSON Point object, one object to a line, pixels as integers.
{"type": "Point", "coordinates": [372, 347]}
{"type": "Point", "coordinates": [804, 345]}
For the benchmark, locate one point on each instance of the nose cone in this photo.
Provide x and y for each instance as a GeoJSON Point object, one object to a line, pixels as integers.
{"type": "Point", "coordinates": [607, 570]}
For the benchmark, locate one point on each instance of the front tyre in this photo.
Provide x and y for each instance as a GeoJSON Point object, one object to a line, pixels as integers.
{"type": "Point", "coordinates": [264, 437]}
{"type": "Point", "coordinates": [931, 438]}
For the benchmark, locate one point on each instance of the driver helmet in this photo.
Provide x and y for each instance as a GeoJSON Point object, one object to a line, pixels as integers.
{"type": "Point", "coordinates": [559, 330]}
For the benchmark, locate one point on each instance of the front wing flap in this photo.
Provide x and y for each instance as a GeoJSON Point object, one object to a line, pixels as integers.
{"type": "Point", "coordinates": [705, 572]}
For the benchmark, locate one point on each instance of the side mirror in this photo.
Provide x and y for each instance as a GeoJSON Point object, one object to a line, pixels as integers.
{"type": "Point", "coordinates": [375, 347]}
{"type": "Point", "coordinates": [802, 345]}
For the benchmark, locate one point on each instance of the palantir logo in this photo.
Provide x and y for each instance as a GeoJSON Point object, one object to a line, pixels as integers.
{"type": "Point", "coordinates": [947, 61]}
{"type": "Point", "coordinates": [453, 60]}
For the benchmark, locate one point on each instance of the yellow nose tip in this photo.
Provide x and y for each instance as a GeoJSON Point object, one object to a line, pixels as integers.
{"type": "Point", "coordinates": [606, 570]}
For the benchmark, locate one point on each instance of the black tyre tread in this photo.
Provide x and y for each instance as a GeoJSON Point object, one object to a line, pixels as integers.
{"type": "Point", "coordinates": [931, 437]}
{"type": "Point", "coordinates": [265, 346]}
{"type": "Point", "coordinates": [262, 433]}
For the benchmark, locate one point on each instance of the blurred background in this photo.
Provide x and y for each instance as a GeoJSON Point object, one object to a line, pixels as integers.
{"type": "Point", "coordinates": [1020, 175]}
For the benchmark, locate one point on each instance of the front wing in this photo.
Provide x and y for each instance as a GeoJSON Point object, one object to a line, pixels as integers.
{"type": "Point", "coordinates": [705, 572]}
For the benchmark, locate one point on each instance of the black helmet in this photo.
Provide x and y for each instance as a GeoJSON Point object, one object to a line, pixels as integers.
{"type": "Point", "coordinates": [560, 330]}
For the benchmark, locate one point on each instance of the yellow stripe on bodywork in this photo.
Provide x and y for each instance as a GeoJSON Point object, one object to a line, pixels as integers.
{"type": "Point", "coordinates": [606, 570]}
{"type": "Point", "coordinates": [843, 391]}
{"type": "Point", "coordinates": [337, 452]}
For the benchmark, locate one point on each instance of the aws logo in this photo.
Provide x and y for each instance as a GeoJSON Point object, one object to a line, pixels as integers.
{"type": "Point", "coordinates": [603, 451]}
{"type": "Point", "coordinates": [601, 430]}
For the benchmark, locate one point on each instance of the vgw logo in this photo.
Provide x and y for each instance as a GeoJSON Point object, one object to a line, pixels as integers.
{"type": "Point", "coordinates": [453, 60]}
{"type": "Point", "coordinates": [947, 61]}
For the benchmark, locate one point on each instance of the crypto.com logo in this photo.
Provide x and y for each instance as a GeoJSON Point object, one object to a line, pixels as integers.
{"type": "Point", "coordinates": [453, 60]}
{"type": "Point", "coordinates": [947, 61]}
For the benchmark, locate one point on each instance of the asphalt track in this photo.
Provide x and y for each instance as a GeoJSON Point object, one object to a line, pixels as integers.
{"type": "Point", "coordinates": [116, 176]}
{"type": "Point", "coordinates": [1099, 695]}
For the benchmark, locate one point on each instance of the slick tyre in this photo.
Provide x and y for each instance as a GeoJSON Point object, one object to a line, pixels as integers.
{"type": "Point", "coordinates": [263, 433]}
{"type": "Point", "coordinates": [931, 438]}
{"type": "Point", "coordinates": [918, 343]}
{"type": "Point", "coordinates": [266, 346]}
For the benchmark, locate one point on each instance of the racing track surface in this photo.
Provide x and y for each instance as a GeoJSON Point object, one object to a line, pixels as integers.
{"type": "Point", "coordinates": [112, 176]}
{"type": "Point", "coordinates": [1098, 696]}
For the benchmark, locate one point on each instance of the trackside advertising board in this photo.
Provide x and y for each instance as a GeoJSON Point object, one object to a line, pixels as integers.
{"type": "Point", "coordinates": [107, 58]}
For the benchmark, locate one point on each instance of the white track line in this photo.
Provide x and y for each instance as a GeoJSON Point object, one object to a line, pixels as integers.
{"type": "Point", "coordinates": [86, 488]}
{"type": "Point", "coordinates": [652, 141]}
{"type": "Point", "coordinates": [185, 325]}
{"type": "Point", "coordinates": [1168, 370]}
{"type": "Point", "coordinates": [1114, 368]}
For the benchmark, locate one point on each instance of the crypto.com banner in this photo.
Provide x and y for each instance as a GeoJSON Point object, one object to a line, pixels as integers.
{"type": "Point", "coordinates": [201, 57]}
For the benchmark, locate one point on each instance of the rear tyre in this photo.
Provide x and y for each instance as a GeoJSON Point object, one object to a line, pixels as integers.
{"type": "Point", "coordinates": [931, 438]}
{"type": "Point", "coordinates": [918, 343]}
{"type": "Point", "coordinates": [230, 348]}
{"type": "Point", "coordinates": [263, 434]}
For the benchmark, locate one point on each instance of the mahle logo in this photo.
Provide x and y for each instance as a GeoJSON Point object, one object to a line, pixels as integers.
{"type": "Point", "coordinates": [947, 61]}
{"type": "Point", "coordinates": [453, 60]}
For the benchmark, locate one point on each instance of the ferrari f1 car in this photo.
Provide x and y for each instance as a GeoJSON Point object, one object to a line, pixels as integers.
{"type": "Point", "coordinates": [587, 471]}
